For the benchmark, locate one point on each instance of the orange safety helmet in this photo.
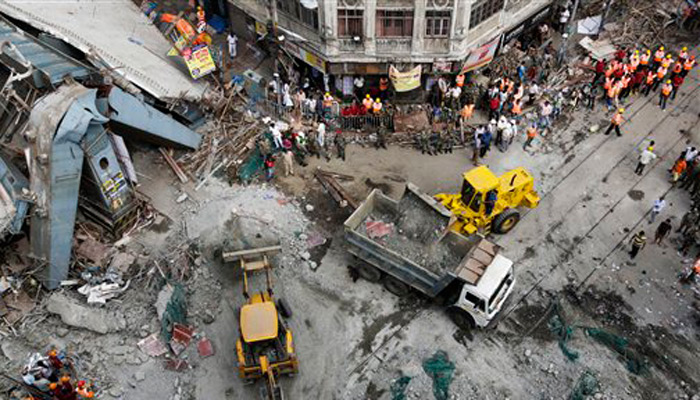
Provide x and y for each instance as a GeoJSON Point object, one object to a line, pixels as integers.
{"type": "Point", "coordinates": [65, 378]}
{"type": "Point", "coordinates": [52, 385]}
{"type": "Point", "coordinates": [52, 353]}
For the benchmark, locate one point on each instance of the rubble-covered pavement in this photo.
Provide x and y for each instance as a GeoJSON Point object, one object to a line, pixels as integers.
{"type": "Point", "coordinates": [137, 301]}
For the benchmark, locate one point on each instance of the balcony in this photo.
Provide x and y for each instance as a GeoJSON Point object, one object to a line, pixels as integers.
{"type": "Point", "coordinates": [393, 45]}
{"type": "Point", "coordinates": [348, 45]}
{"type": "Point", "coordinates": [436, 45]}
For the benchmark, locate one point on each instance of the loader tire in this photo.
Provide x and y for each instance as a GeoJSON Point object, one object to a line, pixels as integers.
{"type": "Point", "coordinates": [369, 272]}
{"type": "Point", "coordinates": [284, 308]}
{"type": "Point", "coordinates": [505, 221]}
{"type": "Point", "coordinates": [395, 286]}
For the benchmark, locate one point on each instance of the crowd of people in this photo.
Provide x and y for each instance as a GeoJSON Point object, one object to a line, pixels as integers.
{"type": "Point", "coordinates": [51, 375]}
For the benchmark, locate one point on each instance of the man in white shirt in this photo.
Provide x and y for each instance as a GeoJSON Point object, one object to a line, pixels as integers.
{"type": "Point", "coordinates": [659, 205]}
{"type": "Point", "coordinates": [646, 157]}
{"type": "Point", "coordinates": [690, 154]}
{"type": "Point", "coordinates": [232, 40]}
{"type": "Point", "coordinates": [276, 135]}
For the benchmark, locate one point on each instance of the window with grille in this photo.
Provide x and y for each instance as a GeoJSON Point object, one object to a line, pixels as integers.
{"type": "Point", "coordinates": [295, 9]}
{"type": "Point", "coordinates": [350, 23]}
{"type": "Point", "coordinates": [394, 23]}
{"type": "Point", "coordinates": [483, 9]}
{"type": "Point", "coordinates": [437, 23]}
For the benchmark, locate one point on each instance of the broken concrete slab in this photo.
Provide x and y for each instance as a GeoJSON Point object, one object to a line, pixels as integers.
{"type": "Point", "coordinates": [92, 250]}
{"type": "Point", "coordinates": [74, 314]}
{"type": "Point", "coordinates": [205, 348]}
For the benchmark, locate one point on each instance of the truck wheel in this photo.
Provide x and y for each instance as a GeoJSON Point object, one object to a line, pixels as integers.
{"type": "Point", "coordinates": [461, 318]}
{"type": "Point", "coordinates": [284, 308]}
{"type": "Point", "coordinates": [395, 286]}
{"type": "Point", "coordinates": [506, 221]}
{"type": "Point", "coordinates": [369, 273]}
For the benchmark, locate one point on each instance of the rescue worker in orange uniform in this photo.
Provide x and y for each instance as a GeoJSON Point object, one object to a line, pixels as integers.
{"type": "Point", "coordinates": [666, 90]}
{"type": "Point", "coordinates": [460, 80]}
{"type": "Point", "coordinates": [384, 88]}
{"type": "Point", "coordinates": [666, 62]}
{"type": "Point", "coordinates": [688, 65]}
{"type": "Point", "coordinates": [377, 107]}
{"type": "Point", "coordinates": [644, 59]}
{"type": "Point", "coordinates": [615, 122]}
{"type": "Point", "coordinates": [660, 75]}
{"type": "Point", "coordinates": [634, 61]}
{"type": "Point", "coordinates": [649, 82]}
{"type": "Point", "coordinates": [658, 56]}
{"type": "Point", "coordinates": [368, 102]}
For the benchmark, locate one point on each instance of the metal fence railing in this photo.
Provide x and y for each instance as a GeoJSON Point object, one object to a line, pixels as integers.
{"type": "Point", "coordinates": [331, 115]}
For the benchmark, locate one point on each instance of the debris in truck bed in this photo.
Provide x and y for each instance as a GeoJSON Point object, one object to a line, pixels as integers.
{"type": "Point", "coordinates": [416, 234]}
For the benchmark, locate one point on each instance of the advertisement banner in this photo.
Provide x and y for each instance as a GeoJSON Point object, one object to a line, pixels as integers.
{"type": "Point", "coordinates": [200, 62]}
{"type": "Point", "coordinates": [405, 81]}
{"type": "Point", "coordinates": [481, 55]}
{"type": "Point", "coordinates": [306, 56]}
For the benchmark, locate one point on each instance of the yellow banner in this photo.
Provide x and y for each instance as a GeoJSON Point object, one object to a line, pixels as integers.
{"type": "Point", "coordinates": [200, 62]}
{"type": "Point", "coordinates": [405, 81]}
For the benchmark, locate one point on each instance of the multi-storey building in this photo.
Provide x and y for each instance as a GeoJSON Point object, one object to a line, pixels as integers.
{"type": "Point", "coordinates": [364, 37]}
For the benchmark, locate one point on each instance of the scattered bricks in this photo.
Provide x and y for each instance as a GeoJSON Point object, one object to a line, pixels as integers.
{"type": "Point", "coordinates": [153, 346]}
{"type": "Point", "coordinates": [176, 364]}
{"type": "Point", "coordinates": [182, 336]}
{"type": "Point", "coordinates": [378, 229]}
{"type": "Point", "coordinates": [92, 250]}
{"type": "Point", "coordinates": [205, 348]}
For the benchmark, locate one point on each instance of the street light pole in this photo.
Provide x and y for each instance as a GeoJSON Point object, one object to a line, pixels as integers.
{"type": "Point", "coordinates": [276, 50]}
{"type": "Point", "coordinates": [565, 43]}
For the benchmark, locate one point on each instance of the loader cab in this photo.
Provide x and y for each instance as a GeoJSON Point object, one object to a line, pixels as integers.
{"type": "Point", "coordinates": [477, 183]}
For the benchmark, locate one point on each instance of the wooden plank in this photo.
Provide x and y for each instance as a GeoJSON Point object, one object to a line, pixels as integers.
{"type": "Point", "coordinates": [336, 174]}
{"type": "Point", "coordinates": [173, 165]}
{"type": "Point", "coordinates": [330, 189]}
{"type": "Point", "coordinates": [351, 202]}
{"type": "Point", "coordinates": [229, 256]}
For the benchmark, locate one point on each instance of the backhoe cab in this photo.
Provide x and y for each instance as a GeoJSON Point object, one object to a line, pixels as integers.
{"type": "Point", "coordinates": [488, 203]}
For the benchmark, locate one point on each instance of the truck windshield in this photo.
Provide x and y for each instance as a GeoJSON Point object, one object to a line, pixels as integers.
{"type": "Point", "coordinates": [467, 193]}
{"type": "Point", "coordinates": [502, 287]}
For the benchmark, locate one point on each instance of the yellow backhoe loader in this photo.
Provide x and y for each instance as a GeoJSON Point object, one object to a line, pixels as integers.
{"type": "Point", "coordinates": [265, 348]}
{"type": "Point", "coordinates": [488, 203]}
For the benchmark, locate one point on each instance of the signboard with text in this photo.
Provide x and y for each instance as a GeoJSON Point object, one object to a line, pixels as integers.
{"type": "Point", "coordinates": [405, 81]}
{"type": "Point", "coordinates": [200, 62]}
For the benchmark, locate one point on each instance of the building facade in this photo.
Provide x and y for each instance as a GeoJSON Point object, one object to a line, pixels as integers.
{"type": "Point", "coordinates": [364, 36]}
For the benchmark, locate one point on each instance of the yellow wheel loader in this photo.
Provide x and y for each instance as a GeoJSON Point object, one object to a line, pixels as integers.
{"type": "Point", "coordinates": [488, 203]}
{"type": "Point", "coordinates": [265, 348]}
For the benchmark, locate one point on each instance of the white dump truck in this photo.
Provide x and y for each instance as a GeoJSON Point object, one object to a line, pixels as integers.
{"type": "Point", "coordinates": [407, 245]}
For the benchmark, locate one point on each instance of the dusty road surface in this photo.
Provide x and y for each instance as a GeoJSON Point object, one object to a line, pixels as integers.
{"type": "Point", "coordinates": [577, 294]}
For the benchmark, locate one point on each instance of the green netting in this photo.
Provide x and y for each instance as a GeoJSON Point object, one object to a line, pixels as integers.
{"type": "Point", "coordinates": [441, 370]}
{"type": "Point", "coordinates": [586, 385]}
{"type": "Point", "coordinates": [398, 388]}
{"type": "Point", "coordinates": [635, 364]}
{"type": "Point", "coordinates": [251, 167]}
{"type": "Point", "coordinates": [557, 325]}
{"type": "Point", "coordinates": [175, 312]}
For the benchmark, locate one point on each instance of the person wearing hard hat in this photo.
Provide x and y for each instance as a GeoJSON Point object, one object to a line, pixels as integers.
{"type": "Point", "coordinates": [377, 106]}
{"type": "Point", "coordinates": [666, 90]}
{"type": "Point", "coordinates": [688, 65]}
{"type": "Point", "coordinates": [644, 59]}
{"type": "Point", "coordinates": [658, 57]}
{"type": "Point", "coordinates": [368, 102]}
{"type": "Point", "coordinates": [667, 61]}
{"type": "Point", "coordinates": [615, 122]}
{"type": "Point", "coordinates": [683, 54]}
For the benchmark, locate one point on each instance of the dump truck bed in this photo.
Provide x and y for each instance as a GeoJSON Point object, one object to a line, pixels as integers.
{"type": "Point", "coordinates": [410, 240]}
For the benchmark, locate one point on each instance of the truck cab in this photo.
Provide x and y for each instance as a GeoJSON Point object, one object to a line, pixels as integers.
{"type": "Point", "coordinates": [488, 280]}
